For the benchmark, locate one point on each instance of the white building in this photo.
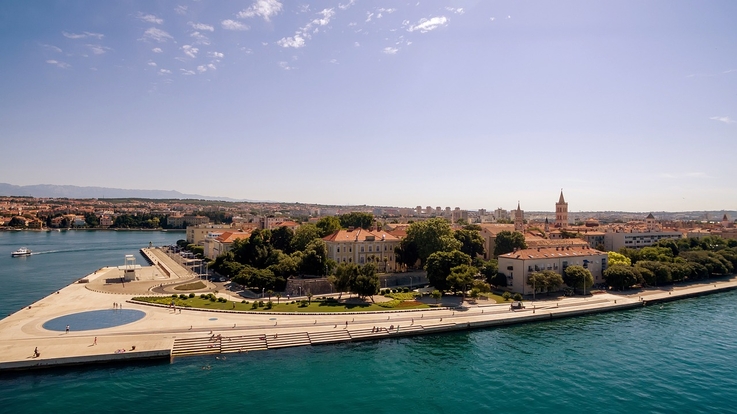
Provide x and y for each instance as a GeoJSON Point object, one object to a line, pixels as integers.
{"type": "Point", "coordinates": [518, 265]}
{"type": "Point", "coordinates": [364, 246]}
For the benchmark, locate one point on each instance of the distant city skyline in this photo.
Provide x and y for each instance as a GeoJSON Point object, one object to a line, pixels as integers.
{"type": "Point", "coordinates": [626, 105]}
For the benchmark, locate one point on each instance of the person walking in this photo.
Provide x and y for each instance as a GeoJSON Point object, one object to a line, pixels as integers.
{"type": "Point", "coordinates": [95, 342]}
{"type": "Point", "coordinates": [67, 330]}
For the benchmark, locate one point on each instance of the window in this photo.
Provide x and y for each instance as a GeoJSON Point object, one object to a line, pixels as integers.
{"type": "Point", "coordinates": [338, 249]}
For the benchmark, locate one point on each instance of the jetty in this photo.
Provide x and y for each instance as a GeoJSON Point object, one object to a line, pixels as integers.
{"type": "Point", "coordinates": [32, 338]}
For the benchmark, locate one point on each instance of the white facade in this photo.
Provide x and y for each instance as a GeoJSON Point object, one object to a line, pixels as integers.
{"type": "Point", "coordinates": [613, 241]}
{"type": "Point", "coordinates": [518, 265]}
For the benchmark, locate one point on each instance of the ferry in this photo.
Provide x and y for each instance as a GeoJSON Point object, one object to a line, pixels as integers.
{"type": "Point", "coordinates": [23, 251]}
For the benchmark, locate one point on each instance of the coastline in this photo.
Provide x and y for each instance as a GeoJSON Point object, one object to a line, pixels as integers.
{"type": "Point", "coordinates": [164, 333]}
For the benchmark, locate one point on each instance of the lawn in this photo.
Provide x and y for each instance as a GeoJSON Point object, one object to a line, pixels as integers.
{"type": "Point", "coordinates": [191, 286]}
{"type": "Point", "coordinates": [284, 306]}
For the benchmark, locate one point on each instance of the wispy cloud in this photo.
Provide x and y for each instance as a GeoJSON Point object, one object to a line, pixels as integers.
{"type": "Point", "coordinates": [98, 49]}
{"type": "Point", "coordinates": [233, 25]}
{"type": "Point", "coordinates": [205, 68]}
{"type": "Point", "coordinates": [59, 64]}
{"type": "Point", "coordinates": [200, 39]}
{"type": "Point", "coordinates": [190, 51]}
{"type": "Point", "coordinates": [216, 55]}
{"type": "Point", "coordinates": [305, 33]}
{"type": "Point", "coordinates": [201, 26]}
{"type": "Point", "coordinates": [157, 35]}
{"type": "Point", "coordinates": [52, 48]}
{"type": "Point", "coordinates": [157, 50]}
{"type": "Point", "coordinates": [82, 35]}
{"type": "Point", "coordinates": [149, 18]}
{"type": "Point", "coordinates": [261, 8]}
{"type": "Point", "coordinates": [152, 63]}
{"type": "Point", "coordinates": [165, 71]}
{"type": "Point", "coordinates": [347, 5]}
{"type": "Point", "coordinates": [390, 50]}
{"type": "Point", "coordinates": [458, 10]}
{"type": "Point", "coordinates": [181, 10]}
{"type": "Point", "coordinates": [285, 65]}
{"type": "Point", "coordinates": [724, 119]}
{"type": "Point", "coordinates": [426, 25]}
{"type": "Point", "coordinates": [187, 72]}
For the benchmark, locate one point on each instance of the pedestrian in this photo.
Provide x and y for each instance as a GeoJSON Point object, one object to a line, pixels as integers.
{"type": "Point", "coordinates": [67, 329]}
{"type": "Point", "coordinates": [95, 341]}
{"type": "Point", "coordinates": [35, 353]}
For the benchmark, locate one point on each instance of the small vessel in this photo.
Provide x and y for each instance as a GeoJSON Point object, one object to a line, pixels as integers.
{"type": "Point", "coordinates": [23, 251]}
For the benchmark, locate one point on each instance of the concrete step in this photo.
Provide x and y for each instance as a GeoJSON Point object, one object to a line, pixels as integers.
{"type": "Point", "coordinates": [243, 343]}
{"type": "Point", "coordinates": [287, 339]}
{"type": "Point", "coordinates": [366, 334]}
{"type": "Point", "coordinates": [327, 337]}
{"type": "Point", "coordinates": [195, 346]}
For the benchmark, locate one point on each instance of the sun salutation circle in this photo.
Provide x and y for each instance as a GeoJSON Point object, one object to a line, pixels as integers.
{"type": "Point", "coordinates": [99, 319]}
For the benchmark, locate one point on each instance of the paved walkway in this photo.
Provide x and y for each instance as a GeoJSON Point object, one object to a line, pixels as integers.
{"type": "Point", "coordinates": [157, 333]}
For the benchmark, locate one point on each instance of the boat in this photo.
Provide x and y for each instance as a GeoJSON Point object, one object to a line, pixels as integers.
{"type": "Point", "coordinates": [23, 251]}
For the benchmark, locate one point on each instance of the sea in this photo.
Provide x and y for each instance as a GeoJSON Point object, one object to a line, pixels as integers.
{"type": "Point", "coordinates": [678, 358]}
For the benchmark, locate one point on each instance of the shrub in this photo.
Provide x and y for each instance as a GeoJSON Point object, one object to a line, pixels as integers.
{"type": "Point", "coordinates": [174, 296]}
{"type": "Point", "coordinates": [203, 296]}
{"type": "Point", "coordinates": [269, 305]}
{"type": "Point", "coordinates": [244, 301]}
{"type": "Point", "coordinates": [517, 296]}
{"type": "Point", "coordinates": [255, 305]}
{"type": "Point", "coordinates": [212, 298]}
{"type": "Point", "coordinates": [191, 295]}
{"type": "Point", "coordinates": [183, 296]}
{"type": "Point", "coordinates": [405, 290]}
{"type": "Point", "coordinates": [261, 304]}
{"type": "Point", "coordinates": [506, 295]}
{"type": "Point", "coordinates": [303, 303]}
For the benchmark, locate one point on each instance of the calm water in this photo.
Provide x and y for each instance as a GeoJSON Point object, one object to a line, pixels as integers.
{"type": "Point", "coordinates": [682, 358]}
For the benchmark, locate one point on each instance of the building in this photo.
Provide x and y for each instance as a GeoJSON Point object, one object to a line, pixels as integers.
{"type": "Point", "coordinates": [488, 233]}
{"type": "Point", "coordinates": [561, 212]}
{"type": "Point", "coordinates": [518, 265]}
{"type": "Point", "coordinates": [218, 243]}
{"type": "Point", "coordinates": [362, 246]}
{"type": "Point", "coordinates": [519, 220]}
{"type": "Point", "coordinates": [179, 222]}
{"type": "Point", "coordinates": [197, 234]}
{"type": "Point", "coordinates": [635, 239]}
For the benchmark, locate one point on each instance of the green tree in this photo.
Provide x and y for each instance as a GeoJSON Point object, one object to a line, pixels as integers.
{"type": "Point", "coordinates": [344, 277]}
{"type": "Point", "coordinates": [489, 270]}
{"type": "Point", "coordinates": [406, 253]}
{"type": "Point", "coordinates": [621, 276]}
{"type": "Point", "coordinates": [366, 282]}
{"type": "Point", "coordinates": [439, 267]}
{"type": "Point", "coordinates": [499, 280]}
{"type": "Point", "coordinates": [471, 242]}
{"type": "Point", "coordinates": [545, 281]}
{"type": "Point", "coordinates": [315, 258]}
{"type": "Point", "coordinates": [436, 294]}
{"type": "Point", "coordinates": [430, 236]}
{"type": "Point", "coordinates": [92, 220]}
{"type": "Point", "coordinates": [356, 220]}
{"type": "Point", "coordinates": [461, 277]}
{"type": "Point", "coordinates": [615, 258]}
{"type": "Point", "coordinates": [304, 235]}
{"type": "Point", "coordinates": [18, 222]}
{"type": "Point", "coordinates": [578, 277]}
{"type": "Point", "coordinates": [328, 225]}
{"type": "Point", "coordinates": [508, 241]}
{"type": "Point", "coordinates": [281, 239]}
{"type": "Point", "coordinates": [657, 254]}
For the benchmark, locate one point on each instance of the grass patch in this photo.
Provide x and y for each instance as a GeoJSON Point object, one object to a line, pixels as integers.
{"type": "Point", "coordinates": [402, 296]}
{"type": "Point", "coordinates": [191, 286]}
{"type": "Point", "coordinates": [315, 306]}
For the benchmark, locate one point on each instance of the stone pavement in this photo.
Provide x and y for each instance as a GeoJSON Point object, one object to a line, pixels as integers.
{"type": "Point", "coordinates": [156, 334]}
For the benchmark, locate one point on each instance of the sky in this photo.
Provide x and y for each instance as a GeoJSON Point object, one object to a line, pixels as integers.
{"type": "Point", "coordinates": [625, 105]}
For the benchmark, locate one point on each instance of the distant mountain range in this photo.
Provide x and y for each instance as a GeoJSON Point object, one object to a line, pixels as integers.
{"type": "Point", "coordinates": [73, 191]}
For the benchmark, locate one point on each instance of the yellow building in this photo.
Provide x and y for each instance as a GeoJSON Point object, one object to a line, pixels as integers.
{"type": "Point", "coordinates": [361, 246]}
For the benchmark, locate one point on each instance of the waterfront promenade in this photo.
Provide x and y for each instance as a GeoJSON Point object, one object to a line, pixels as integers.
{"type": "Point", "coordinates": [165, 333]}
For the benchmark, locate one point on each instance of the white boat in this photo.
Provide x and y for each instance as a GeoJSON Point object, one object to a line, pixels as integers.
{"type": "Point", "coordinates": [23, 251]}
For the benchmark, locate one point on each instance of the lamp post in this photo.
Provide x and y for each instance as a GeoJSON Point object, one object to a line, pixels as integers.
{"type": "Point", "coordinates": [262, 292]}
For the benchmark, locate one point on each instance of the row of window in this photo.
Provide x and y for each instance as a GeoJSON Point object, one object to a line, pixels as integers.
{"type": "Point", "coordinates": [370, 249]}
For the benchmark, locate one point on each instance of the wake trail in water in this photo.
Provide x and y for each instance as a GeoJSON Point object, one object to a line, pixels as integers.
{"type": "Point", "coordinates": [86, 249]}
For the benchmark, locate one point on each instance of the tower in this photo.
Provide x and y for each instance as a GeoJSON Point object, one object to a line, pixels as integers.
{"type": "Point", "coordinates": [650, 222]}
{"type": "Point", "coordinates": [561, 212]}
{"type": "Point", "coordinates": [547, 225]}
{"type": "Point", "coordinates": [519, 220]}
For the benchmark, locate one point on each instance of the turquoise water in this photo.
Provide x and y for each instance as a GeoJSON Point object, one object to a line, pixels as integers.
{"type": "Point", "coordinates": [97, 319]}
{"type": "Point", "coordinates": [678, 359]}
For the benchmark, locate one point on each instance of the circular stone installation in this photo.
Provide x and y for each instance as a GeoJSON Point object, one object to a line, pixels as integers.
{"type": "Point", "coordinates": [99, 319]}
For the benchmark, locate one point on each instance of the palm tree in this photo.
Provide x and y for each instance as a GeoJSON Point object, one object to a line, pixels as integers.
{"type": "Point", "coordinates": [269, 292]}
{"type": "Point", "coordinates": [278, 296]}
{"type": "Point", "coordinates": [309, 297]}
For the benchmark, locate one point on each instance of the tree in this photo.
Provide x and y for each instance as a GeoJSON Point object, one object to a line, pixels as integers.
{"type": "Point", "coordinates": [545, 281]}
{"type": "Point", "coordinates": [471, 242]}
{"type": "Point", "coordinates": [278, 296]}
{"type": "Point", "coordinates": [658, 254]}
{"type": "Point", "coordinates": [508, 241]}
{"type": "Point", "coordinates": [436, 294]}
{"type": "Point", "coordinates": [578, 277]}
{"type": "Point", "coordinates": [406, 253]}
{"type": "Point", "coordinates": [315, 258]}
{"type": "Point", "coordinates": [499, 280]}
{"type": "Point", "coordinates": [328, 225]}
{"type": "Point", "coordinates": [489, 270]}
{"type": "Point", "coordinates": [304, 235]}
{"type": "Point", "coordinates": [439, 266]}
{"type": "Point", "coordinates": [356, 220]}
{"type": "Point", "coordinates": [281, 238]}
{"type": "Point", "coordinates": [92, 220]}
{"type": "Point", "coordinates": [344, 277]}
{"type": "Point", "coordinates": [461, 277]}
{"type": "Point", "coordinates": [366, 282]}
{"type": "Point", "coordinates": [17, 222]}
{"type": "Point", "coordinates": [430, 236]}
{"type": "Point", "coordinates": [615, 258]}
{"type": "Point", "coordinates": [620, 276]}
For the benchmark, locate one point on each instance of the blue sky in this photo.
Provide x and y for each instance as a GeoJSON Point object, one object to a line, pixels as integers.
{"type": "Point", "coordinates": [626, 105]}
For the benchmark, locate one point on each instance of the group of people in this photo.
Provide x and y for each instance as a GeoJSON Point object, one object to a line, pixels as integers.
{"type": "Point", "coordinates": [377, 329]}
